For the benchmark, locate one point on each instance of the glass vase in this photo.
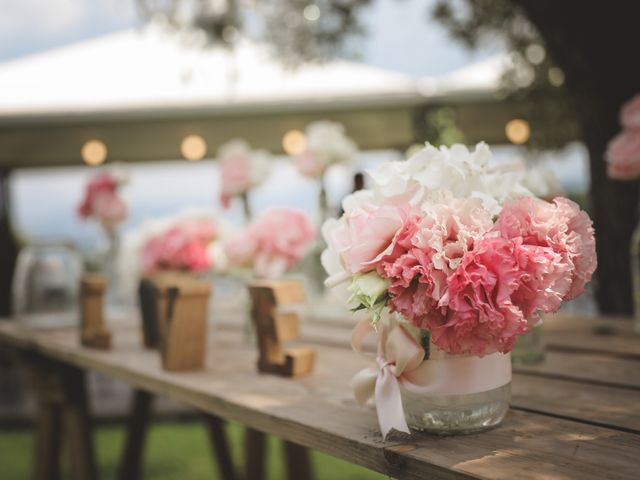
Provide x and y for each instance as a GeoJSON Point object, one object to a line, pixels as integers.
{"type": "Point", "coordinates": [470, 394]}
{"type": "Point", "coordinates": [529, 348]}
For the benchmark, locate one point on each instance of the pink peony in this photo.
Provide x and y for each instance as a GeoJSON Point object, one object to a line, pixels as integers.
{"type": "Point", "coordinates": [309, 164]}
{"type": "Point", "coordinates": [561, 226]}
{"type": "Point", "coordinates": [101, 201]}
{"type": "Point", "coordinates": [181, 247]}
{"type": "Point", "coordinates": [235, 176]}
{"type": "Point", "coordinates": [274, 243]}
{"type": "Point", "coordinates": [482, 318]}
{"type": "Point", "coordinates": [630, 113]}
{"type": "Point", "coordinates": [623, 155]}
{"type": "Point", "coordinates": [366, 234]}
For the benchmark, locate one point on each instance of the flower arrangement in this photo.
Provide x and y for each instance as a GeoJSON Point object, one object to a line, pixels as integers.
{"type": "Point", "coordinates": [102, 201]}
{"type": "Point", "coordinates": [326, 144]}
{"type": "Point", "coordinates": [182, 247]}
{"type": "Point", "coordinates": [241, 169]}
{"type": "Point", "coordinates": [272, 244]}
{"type": "Point", "coordinates": [459, 250]}
{"type": "Point", "coordinates": [623, 152]}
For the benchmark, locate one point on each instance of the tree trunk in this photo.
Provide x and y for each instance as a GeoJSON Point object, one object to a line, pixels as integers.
{"type": "Point", "coordinates": [595, 44]}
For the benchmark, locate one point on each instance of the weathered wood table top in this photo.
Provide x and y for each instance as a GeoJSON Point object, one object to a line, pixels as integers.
{"type": "Point", "coordinates": [575, 416]}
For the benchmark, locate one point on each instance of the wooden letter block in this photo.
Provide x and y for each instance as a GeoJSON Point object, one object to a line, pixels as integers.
{"type": "Point", "coordinates": [274, 327]}
{"type": "Point", "coordinates": [93, 331]}
{"type": "Point", "coordinates": [182, 312]}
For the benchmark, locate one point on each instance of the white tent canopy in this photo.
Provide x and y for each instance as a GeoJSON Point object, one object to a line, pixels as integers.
{"type": "Point", "coordinates": [142, 91]}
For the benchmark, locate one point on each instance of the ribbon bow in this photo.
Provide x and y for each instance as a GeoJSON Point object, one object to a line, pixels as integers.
{"type": "Point", "coordinates": [400, 362]}
{"type": "Point", "coordinates": [398, 359]}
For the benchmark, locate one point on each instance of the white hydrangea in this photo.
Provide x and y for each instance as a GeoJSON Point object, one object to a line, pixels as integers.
{"type": "Point", "coordinates": [456, 170]}
{"type": "Point", "coordinates": [329, 142]}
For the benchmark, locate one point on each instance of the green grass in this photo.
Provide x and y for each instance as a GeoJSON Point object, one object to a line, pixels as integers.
{"type": "Point", "coordinates": [174, 451]}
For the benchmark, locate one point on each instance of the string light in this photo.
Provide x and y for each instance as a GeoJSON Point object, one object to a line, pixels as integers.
{"type": "Point", "coordinates": [193, 147]}
{"type": "Point", "coordinates": [517, 131]}
{"type": "Point", "coordinates": [93, 152]}
{"type": "Point", "coordinates": [294, 142]}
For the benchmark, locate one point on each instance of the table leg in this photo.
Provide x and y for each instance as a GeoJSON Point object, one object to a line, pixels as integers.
{"type": "Point", "coordinates": [298, 461]}
{"type": "Point", "coordinates": [138, 424]}
{"type": "Point", "coordinates": [48, 432]}
{"type": "Point", "coordinates": [78, 424]}
{"type": "Point", "coordinates": [255, 447]}
{"type": "Point", "coordinates": [221, 450]}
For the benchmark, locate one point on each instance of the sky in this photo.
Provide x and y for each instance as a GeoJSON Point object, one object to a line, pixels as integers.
{"type": "Point", "coordinates": [400, 33]}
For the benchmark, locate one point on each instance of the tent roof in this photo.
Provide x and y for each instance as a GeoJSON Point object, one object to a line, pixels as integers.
{"type": "Point", "coordinates": [148, 69]}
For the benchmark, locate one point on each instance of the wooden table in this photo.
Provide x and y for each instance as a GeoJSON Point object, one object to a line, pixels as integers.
{"type": "Point", "coordinates": [577, 415]}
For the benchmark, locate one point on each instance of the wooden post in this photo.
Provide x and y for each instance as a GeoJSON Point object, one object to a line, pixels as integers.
{"type": "Point", "coordinates": [93, 330]}
{"type": "Point", "coordinates": [255, 450]}
{"type": "Point", "coordinates": [182, 316]}
{"type": "Point", "coordinates": [220, 446]}
{"type": "Point", "coordinates": [137, 426]}
{"type": "Point", "coordinates": [274, 327]}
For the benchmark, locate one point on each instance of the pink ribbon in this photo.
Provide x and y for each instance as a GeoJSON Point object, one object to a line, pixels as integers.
{"type": "Point", "coordinates": [400, 363]}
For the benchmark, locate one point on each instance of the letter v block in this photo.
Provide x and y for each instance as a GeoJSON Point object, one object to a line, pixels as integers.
{"type": "Point", "coordinates": [274, 327]}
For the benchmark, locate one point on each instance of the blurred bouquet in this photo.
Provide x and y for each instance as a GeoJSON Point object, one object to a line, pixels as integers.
{"type": "Point", "coordinates": [623, 152]}
{"type": "Point", "coordinates": [459, 250]}
{"type": "Point", "coordinates": [326, 144]}
{"type": "Point", "coordinates": [183, 247]}
{"type": "Point", "coordinates": [102, 201]}
{"type": "Point", "coordinates": [241, 169]}
{"type": "Point", "coordinates": [272, 244]}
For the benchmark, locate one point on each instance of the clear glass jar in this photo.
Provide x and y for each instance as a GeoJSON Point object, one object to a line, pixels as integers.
{"type": "Point", "coordinates": [456, 414]}
{"type": "Point", "coordinates": [529, 348]}
{"type": "Point", "coordinates": [46, 284]}
{"type": "Point", "coordinates": [464, 413]}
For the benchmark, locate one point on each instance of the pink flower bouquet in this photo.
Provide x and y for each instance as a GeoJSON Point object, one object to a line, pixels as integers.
{"type": "Point", "coordinates": [102, 201]}
{"type": "Point", "coordinates": [272, 244]}
{"type": "Point", "coordinates": [623, 152]}
{"type": "Point", "coordinates": [241, 169]}
{"type": "Point", "coordinates": [182, 247]}
{"type": "Point", "coordinates": [455, 249]}
{"type": "Point", "coordinates": [327, 144]}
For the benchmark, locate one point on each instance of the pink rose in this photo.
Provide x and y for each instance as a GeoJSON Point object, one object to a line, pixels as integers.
{"type": "Point", "coordinates": [235, 176]}
{"type": "Point", "coordinates": [181, 247]}
{"type": "Point", "coordinates": [309, 165]}
{"type": "Point", "coordinates": [561, 226]}
{"type": "Point", "coordinates": [101, 200]}
{"type": "Point", "coordinates": [366, 234]}
{"type": "Point", "coordinates": [482, 318]}
{"type": "Point", "coordinates": [273, 244]}
{"type": "Point", "coordinates": [623, 155]}
{"type": "Point", "coordinates": [109, 208]}
{"type": "Point", "coordinates": [630, 113]}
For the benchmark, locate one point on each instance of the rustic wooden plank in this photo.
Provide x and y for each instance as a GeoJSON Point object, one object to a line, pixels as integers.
{"type": "Point", "coordinates": [605, 406]}
{"type": "Point", "coordinates": [319, 412]}
{"type": "Point", "coordinates": [131, 465]}
{"type": "Point", "coordinates": [603, 370]}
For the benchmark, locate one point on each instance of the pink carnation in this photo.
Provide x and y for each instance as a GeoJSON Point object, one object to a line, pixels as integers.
{"type": "Point", "coordinates": [101, 201]}
{"type": "Point", "coordinates": [274, 243]}
{"type": "Point", "coordinates": [482, 318]}
{"type": "Point", "coordinates": [623, 155]}
{"type": "Point", "coordinates": [560, 226]}
{"type": "Point", "coordinates": [630, 113]}
{"type": "Point", "coordinates": [182, 247]}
